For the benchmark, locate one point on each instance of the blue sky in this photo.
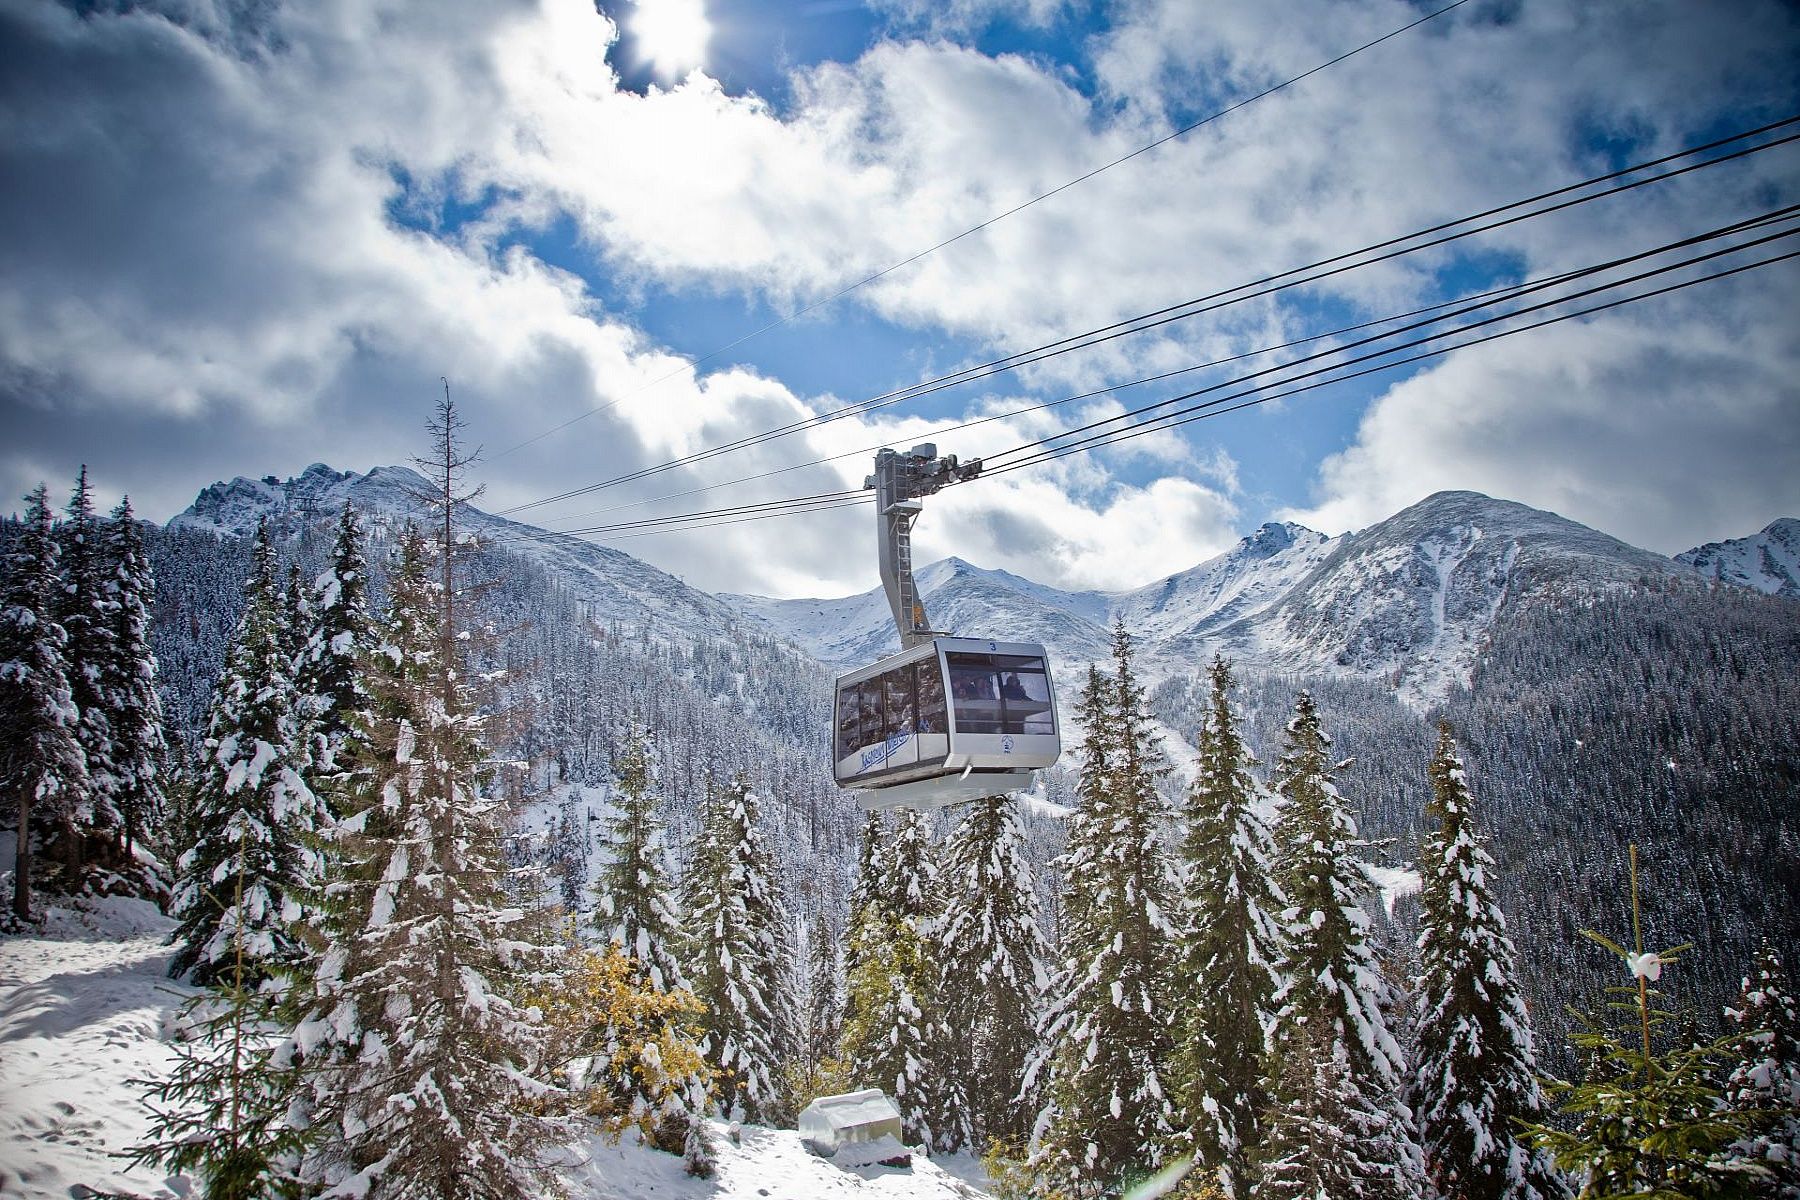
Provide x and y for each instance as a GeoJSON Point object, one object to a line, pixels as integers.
{"type": "Point", "coordinates": [244, 238]}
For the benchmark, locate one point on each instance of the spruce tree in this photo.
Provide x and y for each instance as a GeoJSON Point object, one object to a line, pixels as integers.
{"type": "Point", "coordinates": [1324, 1142]}
{"type": "Point", "coordinates": [331, 679]}
{"type": "Point", "coordinates": [1765, 1081]}
{"type": "Point", "coordinates": [889, 1023]}
{"type": "Point", "coordinates": [1648, 1119]}
{"type": "Point", "coordinates": [634, 907]}
{"type": "Point", "coordinates": [94, 837]}
{"type": "Point", "coordinates": [994, 977]}
{"type": "Point", "coordinates": [1230, 944]}
{"type": "Point", "coordinates": [221, 1112]}
{"type": "Point", "coordinates": [735, 953]}
{"type": "Point", "coordinates": [873, 880]}
{"type": "Point", "coordinates": [1475, 1078]}
{"type": "Point", "coordinates": [819, 1069]}
{"type": "Point", "coordinates": [1109, 1042]}
{"type": "Point", "coordinates": [41, 761]}
{"type": "Point", "coordinates": [249, 797]}
{"type": "Point", "coordinates": [139, 749]}
{"type": "Point", "coordinates": [897, 1038]}
{"type": "Point", "coordinates": [1332, 988]}
{"type": "Point", "coordinates": [418, 1058]}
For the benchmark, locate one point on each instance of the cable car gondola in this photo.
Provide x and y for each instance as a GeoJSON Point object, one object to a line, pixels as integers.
{"type": "Point", "coordinates": [947, 719]}
{"type": "Point", "coordinates": [950, 719]}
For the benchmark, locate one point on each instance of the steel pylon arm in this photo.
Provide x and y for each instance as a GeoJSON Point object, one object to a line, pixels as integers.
{"type": "Point", "coordinates": [901, 483]}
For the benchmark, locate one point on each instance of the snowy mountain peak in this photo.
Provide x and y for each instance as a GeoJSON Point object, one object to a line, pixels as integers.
{"type": "Point", "coordinates": [616, 587]}
{"type": "Point", "coordinates": [1412, 598]}
{"type": "Point", "coordinates": [1768, 561]}
{"type": "Point", "coordinates": [1272, 538]}
{"type": "Point", "coordinates": [233, 508]}
{"type": "Point", "coordinates": [1409, 600]}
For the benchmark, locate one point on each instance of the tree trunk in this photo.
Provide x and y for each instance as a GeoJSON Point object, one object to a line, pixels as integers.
{"type": "Point", "coordinates": [21, 902]}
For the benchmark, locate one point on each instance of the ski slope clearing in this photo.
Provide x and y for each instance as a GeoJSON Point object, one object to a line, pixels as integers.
{"type": "Point", "coordinates": [86, 1007]}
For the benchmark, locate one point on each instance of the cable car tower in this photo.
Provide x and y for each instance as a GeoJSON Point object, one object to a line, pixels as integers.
{"type": "Point", "coordinates": [947, 719]}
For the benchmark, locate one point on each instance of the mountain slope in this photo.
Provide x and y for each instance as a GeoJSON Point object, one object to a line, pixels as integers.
{"type": "Point", "coordinates": [1407, 602]}
{"type": "Point", "coordinates": [1768, 561]}
{"type": "Point", "coordinates": [960, 598]}
{"type": "Point", "coordinates": [1412, 598]}
{"type": "Point", "coordinates": [1228, 587]}
{"type": "Point", "coordinates": [616, 587]}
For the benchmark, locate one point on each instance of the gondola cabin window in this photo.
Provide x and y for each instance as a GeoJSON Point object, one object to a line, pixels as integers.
{"type": "Point", "coordinates": [999, 693]}
{"type": "Point", "coordinates": [908, 699]}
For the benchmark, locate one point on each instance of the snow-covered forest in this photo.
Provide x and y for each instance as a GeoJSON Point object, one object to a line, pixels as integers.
{"type": "Point", "coordinates": [473, 883]}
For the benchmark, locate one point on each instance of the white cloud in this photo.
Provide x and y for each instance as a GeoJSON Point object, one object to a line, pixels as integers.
{"type": "Point", "coordinates": [200, 267]}
{"type": "Point", "coordinates": [1665, 443]}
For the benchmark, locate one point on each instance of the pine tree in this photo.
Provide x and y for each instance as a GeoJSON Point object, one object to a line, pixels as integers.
{"type": "Point", "coordinates": [1648, 1119]}
{"type": "Point", "coordinates": [41, 761]}
{"type": "Point", "coordinates": [1766, 1079]}
{"type": "Point", "coordinates": [221, 1112]}
{"type": "Point", "coordinates": [1324, 1142]}
{"type": "Point", "coordinates": [249, 794]}
{"type": "Point", "coordinates": [1333, 989]}
{"type": "Point", "coordinates": [1476, 1074]}
{"type": "Point", "coordinates": [735, 953]}
{"type": "Point", "coordinates": [871, 885]}
{"type": "Point", "coordinates": [635, 909]}
{"type": "Point", "coordinates": [630, 1051]}
{"type": "Point", "coordinates": [993, 954]}
{"type": "Point", "coordinates": [1230, 944]}
{"type": "Point", "coordinates": [297, 630]}
{"type": "Point", "coordinates": [897, 1038]}
{"type": "Point", "coordinates": [331, 679]}
{"type": "Point", "coordinates": [1108, 1042]}
{"type": "Point", "coordinates": [94, 836]}
{"type": "Point", "coordinates": [139, 749]}
{"type": "Point", "coordinates": [419, 1061]}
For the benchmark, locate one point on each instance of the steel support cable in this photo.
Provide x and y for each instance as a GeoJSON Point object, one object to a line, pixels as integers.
{"type": "Point", "coordinates": [1079, 396]}
{"type": "Point", "coordinates": [1214, 301]}
{"type": "Point", "coordinates": [974, 229]}
{"type": "Point", "coordinates": [1430, 354]}
{"type": "Point", "coordinates": [731, 510]}
{"type": "Point", "coordinates": [1485, 297]}
{"type": "Point", "coordinates": [1481, 301]}
{"type": "Point", "coordinates": [1774, 216]}
{"type": "Point", "coordinates": [1250, 402]}
{"type": "Point", "coordinates": [862, 502]}
{"type": "Point", "coordinates": [1168, 420]}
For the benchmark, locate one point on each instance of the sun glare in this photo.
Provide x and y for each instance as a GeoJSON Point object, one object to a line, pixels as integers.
{"type": "Point", "coordinates": [672, 34]}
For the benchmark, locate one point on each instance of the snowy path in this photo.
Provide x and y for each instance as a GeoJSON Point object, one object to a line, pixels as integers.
{"type": "Point", "coordinates": [81, 1014]}
{"type": "Point", "coordinates": [83, 1008]}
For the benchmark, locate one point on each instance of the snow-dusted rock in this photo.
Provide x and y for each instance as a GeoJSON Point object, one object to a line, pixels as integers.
{"type": "Point", "coordinates": [1768, 561]}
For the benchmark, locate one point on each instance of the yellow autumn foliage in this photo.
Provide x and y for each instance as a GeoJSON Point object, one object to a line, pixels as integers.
{"type": "Point", "coordinates": [630, 1053]}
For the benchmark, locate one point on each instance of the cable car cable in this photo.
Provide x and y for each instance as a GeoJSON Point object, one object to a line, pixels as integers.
{"type": "Point", "coordinates": [1088, 395]}
{"type": "Point", "coordinates": [1472, 303]}
{"type": "Point", "coordinates": [1167, 421]}
{"type": "Point", "coordinates": [1189, 308]}
{"type": "Point", "coordinates": [1436, 353]}
{"type": "Point", "coordinates": [1248, 399]}
{"type": "Point", "coordinates": [1778, 214]}
{"type": "Point", "coordinates": [819, 501]}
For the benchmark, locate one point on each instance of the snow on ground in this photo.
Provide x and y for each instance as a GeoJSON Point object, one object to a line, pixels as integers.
{"type": "Point", "coordinates": [771, 1163]}
{"type": "Point", "coordinates": [84, 1010]}
{"type": "Point", "coordinates": [1394, 882]}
